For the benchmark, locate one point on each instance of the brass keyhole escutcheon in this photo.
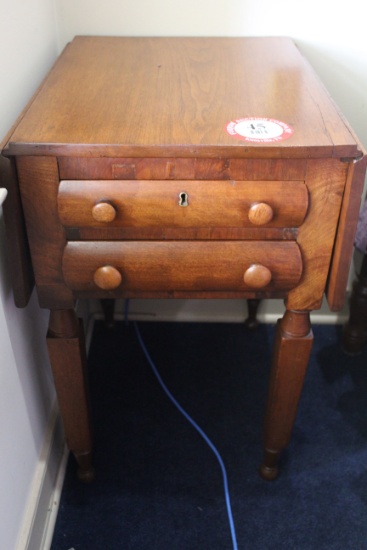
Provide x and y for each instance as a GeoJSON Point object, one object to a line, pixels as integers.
{"type": "Point", "coordinates": [183, 199]}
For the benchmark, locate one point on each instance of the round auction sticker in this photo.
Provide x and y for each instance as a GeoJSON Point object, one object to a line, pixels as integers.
{"type": "Point", "coordinates": [258, 129]}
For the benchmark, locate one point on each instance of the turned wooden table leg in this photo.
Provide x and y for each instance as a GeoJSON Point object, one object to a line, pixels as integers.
{"type": "Point", "coordinates": [355, 331]}
{"type": "Point", "coordinates": [65, 341]}
{"type": "Point", "coordinates": [292, 348]}
{"type": "Point", "coordinates": [108, 307]}
{"type": "Point", "coordinates": [252, 322]}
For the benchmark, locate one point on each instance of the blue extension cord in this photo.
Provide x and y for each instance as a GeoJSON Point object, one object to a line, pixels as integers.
{"type": "Point", "coordinates": [194, 424]}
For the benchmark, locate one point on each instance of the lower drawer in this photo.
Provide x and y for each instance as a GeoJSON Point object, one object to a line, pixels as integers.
{"type": "Point", "coordinates": [182, 265]}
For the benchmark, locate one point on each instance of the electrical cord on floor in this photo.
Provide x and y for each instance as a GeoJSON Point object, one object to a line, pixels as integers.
{"type": "Point", "coordinates": [194, 424]}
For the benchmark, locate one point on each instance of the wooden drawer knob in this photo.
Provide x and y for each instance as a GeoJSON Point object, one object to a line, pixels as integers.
{"type": "Point", "coordinates": [104, 212]}
{"type": "Point", "coordinates": [107, 277]}
{"type": "Point", "coordinates": [260, 213]}
{"type": "Point", "coordinates": [257, 276]}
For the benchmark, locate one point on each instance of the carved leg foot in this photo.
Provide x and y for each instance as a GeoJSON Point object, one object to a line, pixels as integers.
{"type": "Point", "coordinates": [252, 322]}
{"type": "Point", "coordinates": [355, 331]}
{"type": "Point", "coordinates": [65, 341]}
{"type": "Point", "coordinates": [292, 348]}
{"type": "Point", "coordinates": [86, 473]}
{"type": "Point", "coordinates": [269, 469]}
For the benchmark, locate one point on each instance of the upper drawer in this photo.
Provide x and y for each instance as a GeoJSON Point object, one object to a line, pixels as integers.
{"type": "Point", "coordinates": [138, 203]}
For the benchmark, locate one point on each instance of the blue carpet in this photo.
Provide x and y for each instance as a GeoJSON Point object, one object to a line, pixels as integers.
{"type": "Point", "coordinates": [159, 486]}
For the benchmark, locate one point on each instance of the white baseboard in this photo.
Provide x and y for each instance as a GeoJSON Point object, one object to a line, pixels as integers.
{"type": "Point", "coordinates": [49, 520]}
{"type": "Point", "coordinates": [42, 505]}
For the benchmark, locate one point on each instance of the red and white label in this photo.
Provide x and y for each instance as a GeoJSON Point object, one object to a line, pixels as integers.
{"type": "Point", "coordinates": [259, 130]}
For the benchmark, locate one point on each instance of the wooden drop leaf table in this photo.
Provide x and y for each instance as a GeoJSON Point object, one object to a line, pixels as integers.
{"type": "Point", "coordinates": [181, 168]}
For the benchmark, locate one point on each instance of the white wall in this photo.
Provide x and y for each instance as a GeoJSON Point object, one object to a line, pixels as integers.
{"type": "Point", "coordinates": [28, 45]}
{"type": "Point", "coordinates": [333, 38]}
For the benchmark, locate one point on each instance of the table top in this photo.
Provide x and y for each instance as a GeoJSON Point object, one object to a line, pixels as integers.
{"type": "Point", "coordinates": [183, 97]}
{"type": "Point", "coordinates": [117, 96]}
